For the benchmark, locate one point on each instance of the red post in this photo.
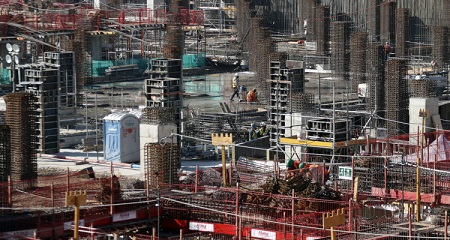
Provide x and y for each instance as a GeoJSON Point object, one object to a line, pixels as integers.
{"type": "Point", "coordinates": [445, 225]}
{"type": "Point", "coordinates": [92, 231]}
{"type": "Point", "coordinates": [112, 189]}
{"type": "Point", "coordinates": [292, 212]}
{"type": "Point", "coordinates": [154, 234]}
{"type": "Point", "coordinates": [385, 175]}
{"type": "Point", "coordinates": [353, 181]}
{"type": "Point", "coordinates": [196, 179]}
{"type": "Point", "coordinates": [9, 191]}
{"type": "Point", "coordinates": [284, 225]}
{"type": "Point", "coordinates": [434, 178]}
{"type": "Point", "coordinates": [181, 234]}
{"type": "Point", "coordinates": [68, 181]}
{"type": "Point", "coordinates": [350, 216]}
{"type": "Point", "coordinates": [409, 221]}
{"type": "Point", "coordinates": [238, 232]}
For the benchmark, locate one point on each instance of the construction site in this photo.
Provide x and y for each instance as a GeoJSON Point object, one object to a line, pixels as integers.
{"type": "Point", "coordinates": [348, 137]}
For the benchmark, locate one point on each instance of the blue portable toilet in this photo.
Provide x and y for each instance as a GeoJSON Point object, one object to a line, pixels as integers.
{"type": "Point", "coordinates": [121, 138]}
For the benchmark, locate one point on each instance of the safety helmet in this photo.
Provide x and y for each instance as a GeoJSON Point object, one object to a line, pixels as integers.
{"type": "Point", "coordinates": [301, 165]}
{"type": "Point", "coordinates": [290, 163]}
{"type": "Point", "coordinates": [262, 124]}
{"type": "Point", "coordinates": [254, 125]}
{"type": "Point", "coordinates": [236, 74]}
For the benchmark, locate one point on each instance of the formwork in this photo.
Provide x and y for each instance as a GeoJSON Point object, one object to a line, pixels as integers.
{"type": "Point", "coordinates": [396, 98]}
{"type": "Point", "coordinates": [322, 29]}
{"type": "Point", "coordinates": [161, 164]}
{"type": "Point", "coordinates": [440, 48]}
{"type": "Point", "coordinates": [358, 48]}
{"type": "Point", "coordinates": [375, 77]}
{"type": "Point", "coordinates": [401, 32]}
{"type": "Point", "coordinates": [21, 119]}
{"type": "Point", "coordinates": [423, 88]}
{"type": "Point", "coordinates": [387, 21]}
{"type": "Point", "coordinates": [340, 49]}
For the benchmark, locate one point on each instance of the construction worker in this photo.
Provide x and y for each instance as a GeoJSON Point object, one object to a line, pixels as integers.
{"type": "Point", "coordinates": [235, 87]}
{"type": "Point", "coordinates": [253, 133]}
{"type": "Point", "coordinates": [252, 96]}
{"type": "Point", "coordinates": [387, 50]}
{"type": "Point", "coordinates": [263, 131]}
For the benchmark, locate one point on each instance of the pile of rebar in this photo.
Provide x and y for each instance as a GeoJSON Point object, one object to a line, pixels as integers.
{"type": "Point", "coordinates": [322, 29]}
{"type": "Point", "coordinates": [423, 88]}
{"type": "Point", "coordinates": [161, 163]}
{"type": "Point", "coordinates": [21, 119]}
{"type": "Point", "coordinates": [402, 32]}
{"type": "Point", "coordinates": [375, 77]}
{"type": "Point", "coordinates": [158, 115]}
{"type": "Point", "coordinates": [397, 100]}
{"type": "Point", "coordinates": [340, 52]}
{"type": "Point", "coordinates": [440, 46]}
{"type": "Point", "coordinates": [358, 46]}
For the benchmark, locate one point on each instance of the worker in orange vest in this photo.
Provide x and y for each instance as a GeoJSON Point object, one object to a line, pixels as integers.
{"type": "Point", "coordinates": [252, 96]}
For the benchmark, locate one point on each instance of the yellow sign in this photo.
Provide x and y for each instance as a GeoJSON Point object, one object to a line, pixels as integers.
{"type": "Point", "coordinates": [333, 218]}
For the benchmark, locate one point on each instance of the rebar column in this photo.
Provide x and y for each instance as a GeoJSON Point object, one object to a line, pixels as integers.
{"type": "Point", "coordinates": [397, 100]}
{"type": "Point", "coordinates": [373, 20]}
{"type": "Point", "coordinates": [340, 52]}
{"type": "Point", "coordinates": [161, 163]}
{"type": "Point", "coordinates": [358, 46]}
{"type": "Point", "coordinates": [375, 77]}
{"type": "Point", "coordinates": [402, 32]}
{"type": "Point", "coordinates": [323, 29]}
{"type": "Point", "coordinates": [440, 46]}
{"type": "Point", "coordinates": [387, 22]}
{"type": "Point", "coordinates": [21, 119]}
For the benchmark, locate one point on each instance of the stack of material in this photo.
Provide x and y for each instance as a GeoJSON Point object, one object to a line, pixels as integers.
{"type": "Point", "coordinates": [423, 88]}
{"type": "Point", "coordinates": [397, 100]}
{"type": "Point", "coordinates": [402, 32]}
{"type": "Point", "coordinates": [323, 29]}
{"type": "Point", "coordinates": [158, 115]}
{"type": "Point", "coordinates": [375, 77]}
{"type": "Point", "coordinates": [358, 46]}
{"type": "Point", "coordinates": [161, 163]}
{"type": "Point", "coordinates": [21, 119]}
{"type": "Point", "coordinates": [387, 21]}
{"type": "Point", "coordinates": [340, 52]}
{"type": "Point", "coordinates": [440, 45]}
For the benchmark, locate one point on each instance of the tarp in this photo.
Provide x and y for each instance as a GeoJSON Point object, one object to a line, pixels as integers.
{"type": "Point", "coordinates": [441, 147]}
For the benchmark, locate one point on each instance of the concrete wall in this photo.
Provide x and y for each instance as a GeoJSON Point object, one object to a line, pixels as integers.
{"type": "Point", "coordinates": [430, 105]}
